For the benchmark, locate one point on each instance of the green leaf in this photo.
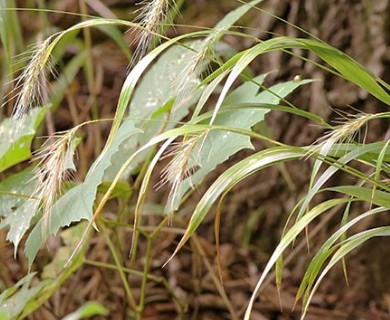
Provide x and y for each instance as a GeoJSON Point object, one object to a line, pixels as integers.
{"type": "Point", "coordinates": [13, 300]}
{"type": "Point", "coordinates": [55, 273]}
{"type": "Point", "coordinates": [232, 17]}
{"type": "Point", "coordinates": [248, 92]}
{"type": "Point", "coordinates": [379, 198]}
{"type": "Point", "coordinates": [16, 207]}
{"type": "Point", "coordinates": [232, 176]}
{"type": "Point", "coordinates": [326, 250]}
{"type": "Point", "coordinates": [122, 189]}
{"type": "Point", "coordinates": [157, 89]}
{"type": "Point", "coordinates": [77, 203]}
{"type": "Point", "coordinates": [277, 92]}
{"type": "Point", "coordinates": [218, 146]}
{"type": "Point", "coordinates": [350, 244]}
{"type": "Point", "coordinates": [354, 154]}
{"type": "Point", "coordinates": [349, 68]}
{"type": "Point", "coordinates": [70, 238]}
{"type": "Point", "coordinates": [16, 137]}
{"type": "Point", "coordinates": [88, 310]}
{"type": "Point", "coordinates": [288, 238]}
{"type": "Point", "coordinates": [10, 29]}
{"type": "Point", "coordinates": [160, 85]}
{"type": "Point", "coordinates": [4, 315]}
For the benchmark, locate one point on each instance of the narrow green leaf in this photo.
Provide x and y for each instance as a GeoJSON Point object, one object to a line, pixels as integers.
{"type": "Point", "coordinates": [287, 240]}
{"type": "Point", "coordinates": [232, 17]}
{"type": "Point", "coordinates": [356, 152]}
{"type": "Point", "coordinates": [349, 68]}
{"type": "Point", "coordinates": [70, 237]}
{"type": "Point", "coordinates": [379, 164]}
{"type": "Point", "coordinates": [349, 245]}
{"type": "Point", "coordinates": [379, 198]}
{"type": "Point", "coordinates": [326, 250]}
{"type": "Point", "coordinates": [232, 176]}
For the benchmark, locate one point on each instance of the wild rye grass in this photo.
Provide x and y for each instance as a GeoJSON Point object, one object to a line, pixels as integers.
{"type": "Point", "coordinates": [167, 83]}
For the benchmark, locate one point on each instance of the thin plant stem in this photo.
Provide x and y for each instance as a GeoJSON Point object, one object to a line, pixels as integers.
{"type": "Point", "coordinates": [215, 278]}
{"type": "Point", "coordinates": [148, 256]}
{"type": "Point", "coordinates": [91, 77]}
{"type": "Point", "coordinates": [115, 256]}
{"type": "Point", "coordinates": [137, 273]}
{"type": "Point", "coordinates": [178, 231]}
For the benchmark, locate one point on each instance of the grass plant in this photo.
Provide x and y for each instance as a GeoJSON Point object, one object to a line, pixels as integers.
{"type": "Point", "coordinates": [185, 102]}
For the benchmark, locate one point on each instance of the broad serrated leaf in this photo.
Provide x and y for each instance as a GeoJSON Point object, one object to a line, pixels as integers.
{"type": "Point", "coordinates": [274, 94]}
{"type": "Point", "coordinates": [161, 85]}
{"type": "Point", "coordinates": [16, 207]}
{"type": "Point", "coordinates": [77, 203]}
{"type": "Point", "coordinates": [16, 137]}
{"type": "Point", "coordinates": [219, 146]}
{"type": "Point", "coordinates": [248, 92]}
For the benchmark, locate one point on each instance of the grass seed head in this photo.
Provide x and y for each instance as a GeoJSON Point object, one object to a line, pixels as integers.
{"type": "Point", "coordinates": [31, 81]}
{"type": "Point", "coordinates": [153, 14]}
{"type": "Point", "coordinates": [345, 132]}
{"type": "Point", "coordinates": [183, 165]}
{"type": "Point", "coordinates": [198, 64]}
{"type": "Point", "coordinates": [54, 166]}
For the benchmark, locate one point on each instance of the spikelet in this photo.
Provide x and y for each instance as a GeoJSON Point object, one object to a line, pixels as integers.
{"type": "Point", "coordinates": [153, 15]}
{"type": "Point", "coordinates": [183, 164]}
{"type": "Point", "coordinates": [200, 60]}
{"type": "Point", "coordinates": [31, 80]}
{"type": "Point", "coordinates": [198, 64]}
{"type": "Point", "coordinates": [344, 132]}
{"type": "Point", "coordinates": [55, 163]}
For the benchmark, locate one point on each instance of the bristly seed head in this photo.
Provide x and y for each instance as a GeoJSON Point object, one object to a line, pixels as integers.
{"type": "Point", "coordinates": [346, 131]}
{"type": "Point", "coordinates": [55, 163]}
{"type": "Point", "coordinates": [31, 81]}
{"type": "Point", "coordinates": [198, 63]}
{"type": "Point", "coordinates": [153, 15]}
{"type": "Point", "coordinates": [183, 165]}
